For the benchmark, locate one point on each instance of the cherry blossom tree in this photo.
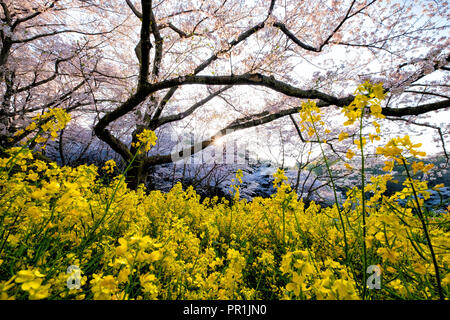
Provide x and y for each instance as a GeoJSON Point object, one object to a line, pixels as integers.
{"type": "Point", "coordinates": [54, 54]}
{"type": "Point", "coordinates": [229, 65]}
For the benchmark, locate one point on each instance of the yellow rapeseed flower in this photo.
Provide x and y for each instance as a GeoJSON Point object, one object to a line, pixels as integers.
{"type": "Point", "coordinates": [343, 135]}
{"type": "Point", "coordinates": [350, 154]}
{"type": "Point", "coordinates": [109, 166]}
{"type": "Point", "coordinates": [146, 138]}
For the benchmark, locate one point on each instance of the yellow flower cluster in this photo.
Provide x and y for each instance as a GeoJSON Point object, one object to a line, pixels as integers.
{"type": "Point", "coordinates": [235, 187]}
{"type": "Point", "coordinates": [310, 116]}
{"type": "Point", "coordinates": [400, 147]}
{"type": "Point", "coordinates": [147, 139]}
{"type": "Point", "coordinates": [109, 166]}
{"type": "Point", "coordinates": [31, 282]}
{"type": "Point", "coordinates": [367, 95]}
{"type": "Point", "coordinates": [50, 123]}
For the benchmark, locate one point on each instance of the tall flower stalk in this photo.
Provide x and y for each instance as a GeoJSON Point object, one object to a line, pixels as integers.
{"type": "Point", "coordinates": [396, 150]}
{"type": "Point", "coordinates": [367, 95]}
{"type": "Point", "coordinates": [363, 204]}
{"type": "Point", "coordinates": [307, 115]}
{"type": "Point", "coordinates": [425, 230]}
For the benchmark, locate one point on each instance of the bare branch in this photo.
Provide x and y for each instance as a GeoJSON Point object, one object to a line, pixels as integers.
{"type": "Point", "coordinates": [415, 111]}
{"type": "Point", "coordinates": [347, 15]}
{"type": "Point", "coordinates": [133, 8]}
{"type": "Point", "coordinates": [32, 16]}
{"type": "Point", "coordinates": [272, 5]}
{"type": "Point", "coordinates": [294, 39]}
{"type": "Point", "coordinates": [239, 124]}
{"type": "Point", "coordinates": [428, 93]}
{"type": "Point", "coordinates": [181, 33]}
{"type": "Point", "coordinates": [35, 84]}
{"type": "Point", "coordinates": [158, 44]}
{"type": "Point", "coordinates": [53, 33]}
{"type": "Point", "coordinates": [305, 46]}
{"type": "Point", "coordinates": [161, 121]}
{"type": "Point", "coordinates": [328, 141]}
{"type": "Point", "coordinates": [6, 12]}
{"type": "Point", "coordinates": [258, 80]}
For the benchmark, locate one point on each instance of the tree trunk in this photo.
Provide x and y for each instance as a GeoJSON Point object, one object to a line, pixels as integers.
{"type": "Point", "coordinates": [137, 174]}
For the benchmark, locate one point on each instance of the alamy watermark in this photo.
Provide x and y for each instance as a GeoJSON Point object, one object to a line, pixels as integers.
{"type": "Point", "coordinates": [74, 280]}
{"type": "Point", "coordinates": [374, 280]}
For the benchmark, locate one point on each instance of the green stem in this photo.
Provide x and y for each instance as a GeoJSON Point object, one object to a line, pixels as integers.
{"type": "Point", "coordinates": [363, 200]}
{"type": "Point", "coordinates": [283, 207]}
{"type": "Point", "coordinates": [425, 230]}
{"type": "Point", "coordinates": [13, 158]}
{"type": "Point", "coordinates": [334, 189]}
{"type": "Point", "coordinates": [108, 204]}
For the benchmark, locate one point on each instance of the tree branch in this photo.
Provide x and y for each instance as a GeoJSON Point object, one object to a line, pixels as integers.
{"type": "Point", "coordinates": [158, 44]}
{"type": "Point", "coordinates": [6, 12]}
{"type": "Point", "coordinates": [53, 33]}
{"type": "Point", "coordinates": [337, 27]}
{"type": "Point", "coordinates": [272, 5]}
{"type": "Point", "coordinates": [180, 32]}
{"type": "Point", "coordinates": [145, 44]}
{"type": "Point", "coordinates": [31, 16]}
{"type": "Point", "coordinates": [243, 36]}
{"type": "Point", "coordinates": [239, 124]}
{"type": "Point", "coordinates": [133, 8]}
{"type": "Point", "coordinates": [427, 93]}
{"type": "Point", "coordinates": [305, 46]}
{"type": "Point", "coordinates": [161, 121]}
{"type": "Point", "coordinates": [415, 111]}
{"type": "Point", "coordinates": [258, 80]}
{"type": "Point", "coordinates": [249, 79]}
{"type": "Point", "coordinates": [35, 84]}
{"type": "Point", "coordinates": [294, 39]}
